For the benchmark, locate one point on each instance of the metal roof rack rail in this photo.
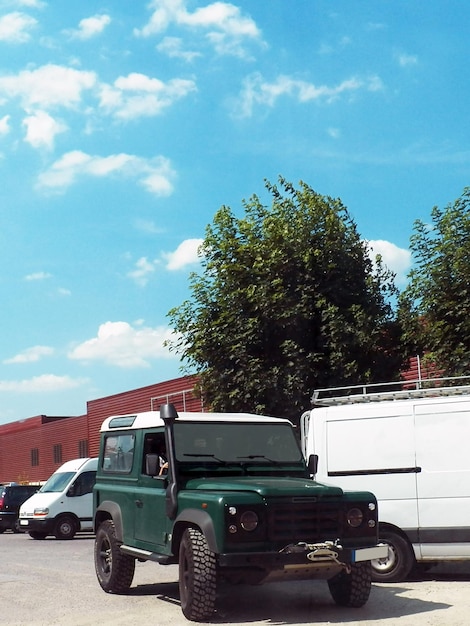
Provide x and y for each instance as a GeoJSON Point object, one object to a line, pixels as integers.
{"type": "Point", "coordinates": [398, 390]}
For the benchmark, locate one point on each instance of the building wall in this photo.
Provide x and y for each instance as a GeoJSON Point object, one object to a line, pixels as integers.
{"type": "Point", "coordinates": [67, 435]}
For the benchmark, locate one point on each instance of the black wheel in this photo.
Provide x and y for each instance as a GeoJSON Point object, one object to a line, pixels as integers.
{"type": "Point", "coordinates": [2, 530]}
{"type": "Point", "coordinates": [398, 563]}
{"type": "Point", "coordinates": [352, 589]}
{"type": "Point", "coordinates": [65, 528]}
{"type": "Point", "coordinates": [34, 534]}
{"type": "Point", "coordinates": [16, 527]}
{"type": "Point", "coordinates": [114, 569]}
{"type": "Point", "coordinates": [197, 576]}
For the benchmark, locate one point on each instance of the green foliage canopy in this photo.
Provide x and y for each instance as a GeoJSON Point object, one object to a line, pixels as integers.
{"type": "Point", "coordinates": [288, 300]}
{"type": "Point", "coordinates": [435, 307]}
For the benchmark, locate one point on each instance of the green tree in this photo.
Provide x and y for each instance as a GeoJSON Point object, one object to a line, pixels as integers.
{"type": "Point", "coordinates": [435, 307]}
{"type": "Point", "coordinates": [288, 300]}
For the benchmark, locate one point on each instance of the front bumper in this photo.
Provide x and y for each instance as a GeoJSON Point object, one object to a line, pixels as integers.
{"type": "Point", "coordinates": [39, 525]}
{"type": "Point", "coordinates": [309, 555]}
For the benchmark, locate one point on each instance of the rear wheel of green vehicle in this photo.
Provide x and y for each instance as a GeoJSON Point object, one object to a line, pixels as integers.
{"type": "Point", "coordinates": [114, 569]}
{"type": "Point", "coordinates": [352, 589]}
{"type": "Point", "coordinates": [399, 561]}
{"type": "Point", "coordinates": [197, 576]}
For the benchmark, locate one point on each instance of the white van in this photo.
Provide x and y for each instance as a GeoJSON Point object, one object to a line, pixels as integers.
{"type": "Point", "coordinates": [64, 504]}
{"type": "Point", "coordinates": [412, 453]}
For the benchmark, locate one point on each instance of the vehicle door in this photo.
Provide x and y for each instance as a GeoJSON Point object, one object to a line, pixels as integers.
{"type": "Point", "coordinates": [152, 526]}
{"type": "Point", "coordinates": [442, 435]}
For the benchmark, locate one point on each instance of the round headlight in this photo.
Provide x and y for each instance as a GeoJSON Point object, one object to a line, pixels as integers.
{"type": "Point", "coordinates": [249, 521]}
{"type": "Point", "coordinates": [354, 517]}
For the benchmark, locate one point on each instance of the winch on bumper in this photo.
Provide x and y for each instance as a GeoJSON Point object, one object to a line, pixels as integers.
{"type": "Point", "coordinates": [302, 560]}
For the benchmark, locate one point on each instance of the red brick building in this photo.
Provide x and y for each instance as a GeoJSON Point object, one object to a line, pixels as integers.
{"type": "Point", "coordinates": [33, 448]}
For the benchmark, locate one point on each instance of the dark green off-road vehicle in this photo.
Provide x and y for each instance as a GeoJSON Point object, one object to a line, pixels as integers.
{"type": "Point", "coordinates": [238, 504]}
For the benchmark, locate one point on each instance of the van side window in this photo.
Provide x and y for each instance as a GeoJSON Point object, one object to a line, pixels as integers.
{"type": "Point", "coordinates": [118, 453]}
{"type": "Point", "coordinates": [84, 483]}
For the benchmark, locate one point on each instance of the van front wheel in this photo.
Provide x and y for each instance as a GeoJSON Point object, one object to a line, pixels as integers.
{"type": "Point", "coordinates": [399, 561]}
{"type": "Point", "coordinates": [114, 569]}
{"type": "Point", "coordinates": [65, 528]}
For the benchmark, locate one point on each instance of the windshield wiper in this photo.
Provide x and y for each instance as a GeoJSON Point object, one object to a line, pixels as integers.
{"type": "Point", "coordinates": [208, 456]}
{"type": "Point", "coordinates": [259, 456]}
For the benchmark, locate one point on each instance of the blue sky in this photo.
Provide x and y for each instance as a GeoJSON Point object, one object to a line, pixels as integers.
{"type": "Point", "coordinates": [125, 125]}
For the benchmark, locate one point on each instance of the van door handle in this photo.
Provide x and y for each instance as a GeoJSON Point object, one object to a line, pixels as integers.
{"type": "Point", "coordinates": [139, 504]}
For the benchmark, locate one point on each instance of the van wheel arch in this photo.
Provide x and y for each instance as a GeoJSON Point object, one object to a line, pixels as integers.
{"type": "Point", "coordinates": [400, 560]}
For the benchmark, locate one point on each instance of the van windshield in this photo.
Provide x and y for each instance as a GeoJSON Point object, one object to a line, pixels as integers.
{"type": "Point", "coordinates": [57, 482]}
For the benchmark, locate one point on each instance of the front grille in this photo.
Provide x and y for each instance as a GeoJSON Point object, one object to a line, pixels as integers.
{"type": "Point", "coordinates": [303, 519]}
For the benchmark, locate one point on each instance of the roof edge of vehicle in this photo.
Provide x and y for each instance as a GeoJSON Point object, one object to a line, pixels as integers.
{"type": "Point", "coordinates": [152, 419]}
{"type": "Point", "coordinates": [76, 464]}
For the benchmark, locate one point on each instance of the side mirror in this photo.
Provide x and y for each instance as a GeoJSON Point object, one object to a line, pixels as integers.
{"type": "Point", "coordinates": [312, 464]}
{"type": "Point", "coordinates": [151, 464]}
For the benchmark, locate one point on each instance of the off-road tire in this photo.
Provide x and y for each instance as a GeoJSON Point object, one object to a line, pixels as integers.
{"type": "Point", "coordinates": [34, 534]}
{"type": "Point", "coordinates": [65, 527]}
{"type": "Point", "coordinates": [197, 576]}
{"type": "Point", "coordinates": [352, 589]}
{"type": "Point", "coordinates": [114, 570]}
{"type": "Point", "coordinates": [399, 562]}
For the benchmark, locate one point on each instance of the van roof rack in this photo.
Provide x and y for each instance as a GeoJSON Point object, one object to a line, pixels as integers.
{"type": "Point", "coordinates": [399, 390]}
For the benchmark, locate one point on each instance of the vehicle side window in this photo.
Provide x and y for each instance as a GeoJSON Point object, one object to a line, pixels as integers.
{"type": "Point", "coordinates": [154, 454]}
{"type": "Point", "coordinates": [84, 483]}
{"type": "Point", "coordinates": [118, 453]}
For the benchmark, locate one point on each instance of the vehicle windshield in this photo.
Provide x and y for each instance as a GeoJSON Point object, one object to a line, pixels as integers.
{"type": "Point", "coordinates": [238, 443]}
{"type": "Point", "coordinates": [57, 482]}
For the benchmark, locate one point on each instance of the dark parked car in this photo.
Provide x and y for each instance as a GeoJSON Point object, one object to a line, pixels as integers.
{"type": "Point", "coordinates": [11, 498]}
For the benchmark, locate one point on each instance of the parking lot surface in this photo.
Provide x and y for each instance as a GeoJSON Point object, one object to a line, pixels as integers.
{"type": "Point", "coordinates": [51, 582]}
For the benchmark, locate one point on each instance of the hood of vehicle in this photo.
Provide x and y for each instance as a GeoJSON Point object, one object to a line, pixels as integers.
{"type": "Point", "coordinates": [38, 500]}
{"type": "Point", "coordinates": [266, 486]}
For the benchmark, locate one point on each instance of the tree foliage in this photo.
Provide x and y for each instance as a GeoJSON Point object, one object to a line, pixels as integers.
{"type": "Point", "coordinates": [435, 307]}
{"type": "Point", "coordinates": [288, 300]}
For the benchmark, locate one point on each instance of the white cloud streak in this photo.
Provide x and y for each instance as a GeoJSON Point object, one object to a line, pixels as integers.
{"type": "Point", "coordinates": [41, 129]}
{"type": "Point", "coordinates": [137, 95]}
{"type": "Point", "coordinates": [257, 91]}
{"type": "Point", "coordinates": [155, 175]}
{"type": "Point", "coordinates": [16, 27]}
{"type": "Point", "coordinates": [398, 260]}
{"type": "Point", "coordinates": [222, 23]}
{"type": "Point", "coordinates": [90, 27]}
{"type": "Point", "coordinates": [45, 383]}
{"type": "Point", "coordinates": [185, 254]}
{"type": "Point", "coordinates": [122, 345]}
{"type": "Point", "coordinates": [30, 355]}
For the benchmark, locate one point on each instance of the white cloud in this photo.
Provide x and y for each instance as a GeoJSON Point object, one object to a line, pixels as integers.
{"type": "Point", "coordinates": [155, 175]}
{"type": "Point", "coordinates": [5, 125]}
{"type": "Point", "coordinates": [222, 23]}
{"type": "Point", "coordinates": [30, 355]}
{"type": "Point", "coordinates": [90, 27]}
{"type": "Point", "coordinates": [257, 91]}
{"type": "Point", "coordinates": [48, 86]}
{"type": "Point", "coordinates": [15, 27]}
{"type": "Point", "coordinates": [185, 254]}
{"type": "Point", "coordinates": [142, 271]}
{"type": "Point", "coordinates": [407, 59]}
{"type": "Point", "coordinates": [137, 95]}
{"type": "Point", "coordinates": [41, 129]}
{"type": "Point", "coordinates": [37, 276]}
{"type": "Point", "coordinates": [173, 47]}
{"type": "Point", "coordinates": [42, 384]}
{"type": "Point", "coordinates": [398, 260]}
{"type": "Point", "coordinates": [120, 344]}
